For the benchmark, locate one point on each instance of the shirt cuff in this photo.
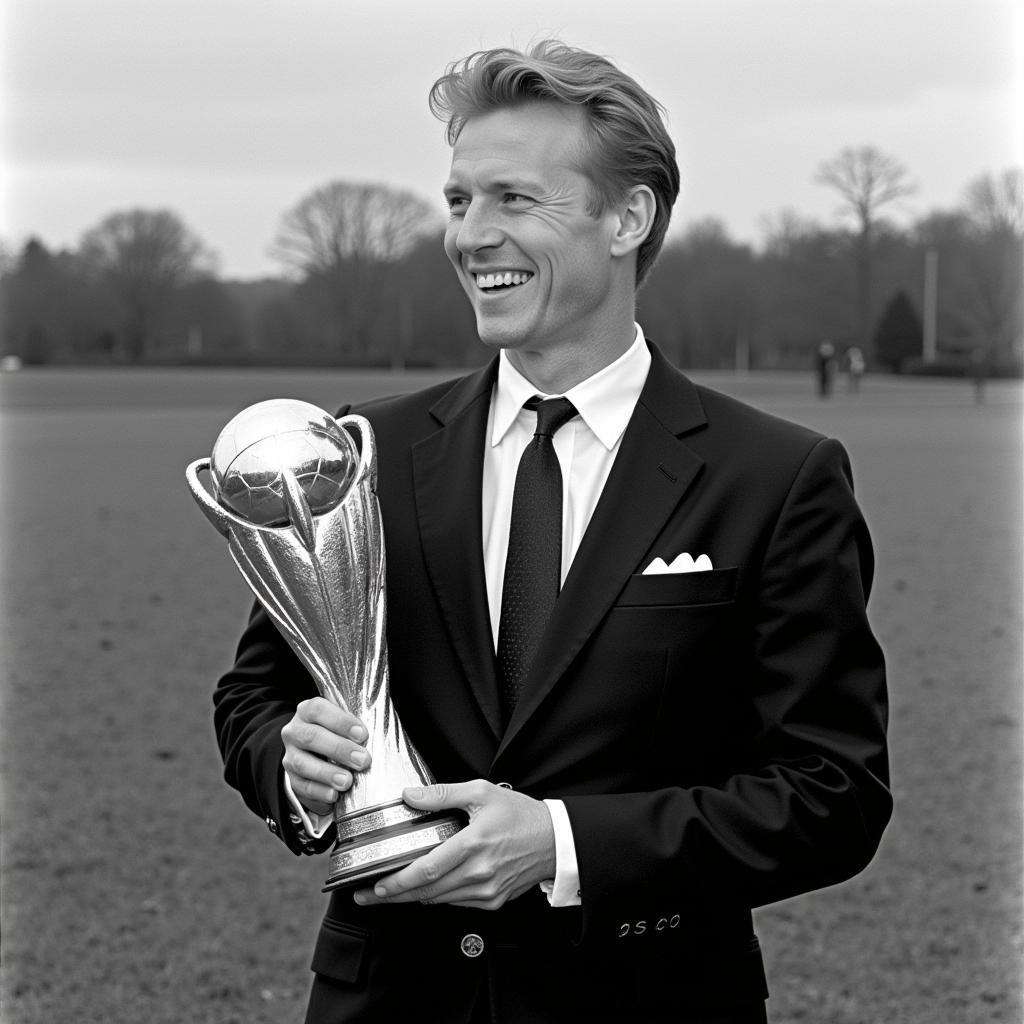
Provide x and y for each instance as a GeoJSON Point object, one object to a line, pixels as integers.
{"type": "Point", "coordinates": [314, 825]}
{"type": "Point", "coordinates": [564, 890]}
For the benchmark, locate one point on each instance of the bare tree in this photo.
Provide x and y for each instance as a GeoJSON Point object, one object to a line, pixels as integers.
{"type": "Point", "coordinates": [8, 259]}
{"type": "Point", "coordinates": [867, 180]}
{"type": "Point", "coordinates": [345, 220]}
{"type": "Point", "coordinates": [785, 230]}
{"type": "Point", "coordinates": [994, 302]}
{"type": "Point", "coordinates": [342, 236]}
{"type": "Point", "coordinates": [995, 203]}
{"type": "Point", "coordinates": [803, 287]}
{"type": "Point", "coordinates": [145, 257]}
{"type": "Point", "coordinates": [699, 299]}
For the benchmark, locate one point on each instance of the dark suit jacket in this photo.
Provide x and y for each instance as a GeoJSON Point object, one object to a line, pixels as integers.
{"type": "Point", "coordinates": [718, 738]}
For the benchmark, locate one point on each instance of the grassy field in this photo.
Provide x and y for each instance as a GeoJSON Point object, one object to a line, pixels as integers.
{"type": "Point", "coordinates": [135, 885]}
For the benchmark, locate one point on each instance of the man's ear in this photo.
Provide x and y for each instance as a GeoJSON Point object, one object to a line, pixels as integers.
{"type": "Point", "coordinates": [636, 218]}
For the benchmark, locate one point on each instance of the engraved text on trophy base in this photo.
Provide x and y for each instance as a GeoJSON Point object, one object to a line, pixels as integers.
{"type": "Point", "coordinates": [355, 863]}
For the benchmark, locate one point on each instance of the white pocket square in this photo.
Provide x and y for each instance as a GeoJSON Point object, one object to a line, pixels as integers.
{"type": "Point", "coordinates": [681, 563]}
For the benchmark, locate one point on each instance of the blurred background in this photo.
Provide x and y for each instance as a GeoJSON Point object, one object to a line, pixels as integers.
{"type": "Point", "coordinates": [261, 182]}
{"type": "Point", "coordinates": [205, 204]}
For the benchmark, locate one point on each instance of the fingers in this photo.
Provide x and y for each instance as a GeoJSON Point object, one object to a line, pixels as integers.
{"type": "Point", "coordinates": [427, 879]}
{"type": "Point", "coordinates": [320, 727]}
{"type": "Point", "coordinates": [316, 807]}
{"type": "Point", "coordinates": [469, 796]}
{"type": "Point", "coordinates": [497, 856]}
{"type": "Point", "coordinates": [315, 781]}
{"type": "Point", "coordinates": [432, 876]}
{"type": "Point", "coordinates": [454, 873]}
{"type": "Point", "coordinates": [322, 748]}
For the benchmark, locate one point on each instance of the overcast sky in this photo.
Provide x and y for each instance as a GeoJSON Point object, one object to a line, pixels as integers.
{"type": "Point", "coordinates": [229, 111]}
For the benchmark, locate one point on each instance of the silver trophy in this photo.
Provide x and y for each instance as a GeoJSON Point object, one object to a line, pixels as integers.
{"type": "Point", "coordinates": [294, 493]}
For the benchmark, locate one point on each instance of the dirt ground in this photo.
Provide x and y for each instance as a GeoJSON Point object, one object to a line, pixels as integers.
{"type": "Point", "coordinates": [135, 885]}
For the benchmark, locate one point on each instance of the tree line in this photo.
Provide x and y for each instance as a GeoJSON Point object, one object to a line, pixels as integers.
{"type": "Point", "coordinates": [365, 282]}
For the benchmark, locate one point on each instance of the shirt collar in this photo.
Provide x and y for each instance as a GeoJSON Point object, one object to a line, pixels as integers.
{"type": "Point", "coordinates": [605, 400]}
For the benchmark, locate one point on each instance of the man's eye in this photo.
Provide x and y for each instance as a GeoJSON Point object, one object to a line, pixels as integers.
{"type": "Point", "coordinates": [516, 197]}
{"type": "Point", "coordinates": [456, 203]}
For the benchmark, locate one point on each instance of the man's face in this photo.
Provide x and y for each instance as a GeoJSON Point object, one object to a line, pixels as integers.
{"type": "Point", "coordinates": [535, 264]}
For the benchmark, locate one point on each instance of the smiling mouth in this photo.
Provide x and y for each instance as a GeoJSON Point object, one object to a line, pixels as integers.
{"type": "Point", "coordinates": [501, 282]}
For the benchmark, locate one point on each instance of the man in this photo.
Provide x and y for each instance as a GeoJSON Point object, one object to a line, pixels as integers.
{"type": "Point", "coordinates": [654, 753]}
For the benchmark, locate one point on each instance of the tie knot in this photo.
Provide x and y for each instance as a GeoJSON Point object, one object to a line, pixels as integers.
{"type": "Point", "coordinates": [552, 414]}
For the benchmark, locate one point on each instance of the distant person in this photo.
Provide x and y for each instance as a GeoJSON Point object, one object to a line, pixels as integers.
{"type": "Point", "coordinates": [825, 368]}
{"type": "Point", "coordinates": [854, 368]}
{"type": "Point", "coordinates": [627, 625]}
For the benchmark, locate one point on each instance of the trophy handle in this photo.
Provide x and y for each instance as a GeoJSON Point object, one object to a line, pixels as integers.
{"type": "Point", "coordinates": [367, 469]}
{"type": "Point", "coordinates": [217, 516]}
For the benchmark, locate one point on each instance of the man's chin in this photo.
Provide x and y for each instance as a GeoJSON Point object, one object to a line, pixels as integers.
{"type": "Point", "coordinates": [498, 339]}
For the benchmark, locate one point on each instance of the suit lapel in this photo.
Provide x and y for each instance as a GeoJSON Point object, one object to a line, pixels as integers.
{"type": "Point", "coordinates": [652, 471]}
{"type": "Point", "coordinates": [447, 475]}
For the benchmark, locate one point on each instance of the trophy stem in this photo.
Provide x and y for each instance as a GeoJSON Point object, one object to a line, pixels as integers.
{"type": "Point", "coordinates": [330, 689]}
{"type": "Point", "coordinates": [377, 840]}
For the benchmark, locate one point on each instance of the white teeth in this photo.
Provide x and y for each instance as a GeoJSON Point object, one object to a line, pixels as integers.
{"type": "Point", "coordinates": [508, 277]}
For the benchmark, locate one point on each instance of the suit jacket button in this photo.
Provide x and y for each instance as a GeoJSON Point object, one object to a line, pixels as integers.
{"type": "Point", "coordinates": [472, 945]}
{"type": "Point", "coordinates": [272, 825]}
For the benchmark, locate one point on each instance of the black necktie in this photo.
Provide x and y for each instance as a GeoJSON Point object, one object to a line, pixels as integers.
{"type": "Point", "coordinates": [533, 565]}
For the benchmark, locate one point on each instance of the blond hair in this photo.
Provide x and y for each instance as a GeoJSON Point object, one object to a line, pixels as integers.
{"type": "Point", "coordinates": [629, 144]}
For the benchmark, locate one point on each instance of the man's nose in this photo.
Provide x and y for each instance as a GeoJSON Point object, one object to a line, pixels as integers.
{"type": "Point", "coordinates": [478, 229]}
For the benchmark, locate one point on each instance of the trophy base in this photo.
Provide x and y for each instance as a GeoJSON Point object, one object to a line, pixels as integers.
{"type": "Point", "coordinates": [376, 840]}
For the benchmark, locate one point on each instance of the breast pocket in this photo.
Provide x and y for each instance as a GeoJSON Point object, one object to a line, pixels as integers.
{"type": "Point", "coordinates": [715, 586]}
{"type": "Point", "coordinates": [696, 622]}
{"type": "Point", "coordinates": [670, 611]}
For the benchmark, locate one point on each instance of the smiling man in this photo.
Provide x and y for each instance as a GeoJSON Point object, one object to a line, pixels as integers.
{"type": "Point", "coordinates": [627, 624]}
{"type": "Point", "coordinates": [552, 281]}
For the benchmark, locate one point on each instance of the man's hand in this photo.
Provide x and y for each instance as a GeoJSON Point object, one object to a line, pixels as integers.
{"type": "Point", "coordinates": [507, 847]}
{"type": "Point", "coordinates": [321, 749]}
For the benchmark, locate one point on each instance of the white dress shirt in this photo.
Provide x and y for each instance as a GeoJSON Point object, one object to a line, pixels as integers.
{"type": "Point", "coordinates": [586, 448]}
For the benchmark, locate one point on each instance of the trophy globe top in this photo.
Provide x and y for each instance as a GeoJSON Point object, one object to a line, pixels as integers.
{"type": "Point", "coordinates": [259, 444]}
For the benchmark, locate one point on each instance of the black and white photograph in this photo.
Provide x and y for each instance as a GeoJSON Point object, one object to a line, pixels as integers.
{"type": "Point", "coordinates": [512, 515]}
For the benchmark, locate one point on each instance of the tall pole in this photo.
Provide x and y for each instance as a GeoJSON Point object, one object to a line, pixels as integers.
{"type": "Point", "coordinates": [931, 303]}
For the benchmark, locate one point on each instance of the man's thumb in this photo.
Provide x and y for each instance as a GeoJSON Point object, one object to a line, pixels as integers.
{"type": "Point", "coordinates": [426, 796]}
